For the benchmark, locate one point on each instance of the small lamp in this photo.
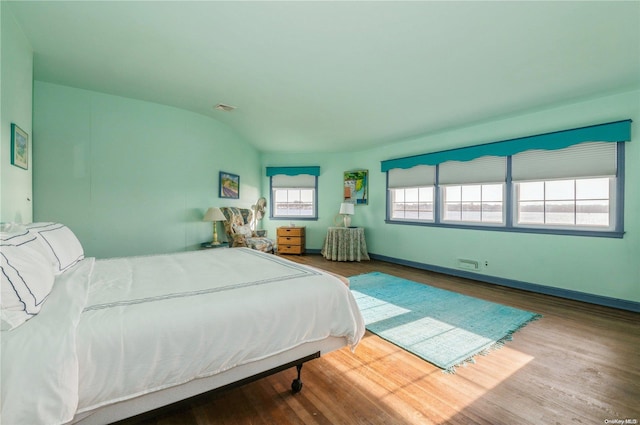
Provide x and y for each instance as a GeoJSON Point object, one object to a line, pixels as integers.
{"type": "Point", "coordinates": [214, 214]}
{"type": "Point", "coordinates": [347, 210]}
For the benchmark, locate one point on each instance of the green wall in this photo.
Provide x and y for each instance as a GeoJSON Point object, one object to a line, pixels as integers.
{"type": "Point", "coordinates": [16, 105]}
{"type": "Point", "coordinates": [132, 177]}
{"type": "Point", "coordinates": [599, 266]}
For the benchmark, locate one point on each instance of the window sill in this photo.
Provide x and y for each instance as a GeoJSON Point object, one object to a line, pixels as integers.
{"type": "Point", "coordinates": [496, 228]}
{"type": "Point", "coordinates": [294, 218]}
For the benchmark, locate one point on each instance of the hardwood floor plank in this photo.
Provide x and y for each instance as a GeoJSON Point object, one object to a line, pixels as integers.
{"type": "Point", "coordinates": [578, 364]}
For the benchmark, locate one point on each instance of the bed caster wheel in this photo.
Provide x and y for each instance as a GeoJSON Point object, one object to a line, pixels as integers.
{"type": "Point", "coordinates": [296, 386]}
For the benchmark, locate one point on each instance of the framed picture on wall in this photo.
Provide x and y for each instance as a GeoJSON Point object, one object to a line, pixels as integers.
{"type": "Point", "coordinates": [229, 185]}
{"type": "Point", "coordinates": [356, 186]}
{"type": "Point", "coordinates": [19, 147]}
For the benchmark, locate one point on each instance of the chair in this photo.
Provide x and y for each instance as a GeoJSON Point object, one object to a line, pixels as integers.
{"type": "Point", "coordinates": [238, 230]}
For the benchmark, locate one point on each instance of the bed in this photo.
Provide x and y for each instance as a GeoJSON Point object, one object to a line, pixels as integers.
{"type": "Point", "coordinates": [103, 340]}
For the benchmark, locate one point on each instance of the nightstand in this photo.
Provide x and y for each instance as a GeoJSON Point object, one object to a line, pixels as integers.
{"type": "Point", "coordinates": [291, 240]}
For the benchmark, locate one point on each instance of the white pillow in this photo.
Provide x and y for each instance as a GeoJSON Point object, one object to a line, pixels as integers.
{"type": "Point", "coordinates": [63, 248]}
{"type": "Point", "coordinates": [244, 230]}
{"type": "Point", "coordinates": [7, 229]}
{"type": "Point", "coordinates": [26, 278]}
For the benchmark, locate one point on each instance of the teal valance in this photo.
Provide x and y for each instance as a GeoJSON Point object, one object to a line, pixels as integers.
{"type": "Point", "coordinates": [293, 171]}
{"type": "Point", "coordinates": [619, 131]}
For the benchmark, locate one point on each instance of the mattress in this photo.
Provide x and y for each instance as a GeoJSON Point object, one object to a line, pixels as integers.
{"type": "Point", "coordinates": [126, 327]}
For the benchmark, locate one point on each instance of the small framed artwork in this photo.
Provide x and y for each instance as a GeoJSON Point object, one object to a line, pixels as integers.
{"type": "Point", "coordinates": [356, 186]}
{"type": "Point", "coordinates": [19, 147]}
{"type": "Point", "coordinates": [229, 185]}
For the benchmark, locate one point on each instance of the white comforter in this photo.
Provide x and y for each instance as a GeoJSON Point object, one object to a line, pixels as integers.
{"type": "Point", "coordinates": [125, 327]}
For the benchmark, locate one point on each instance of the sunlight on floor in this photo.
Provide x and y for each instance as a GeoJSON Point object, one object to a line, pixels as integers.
{"type": "Point", "coordinates": [473, 381]}
{"type": "Point", "coordinates": [404, 388]}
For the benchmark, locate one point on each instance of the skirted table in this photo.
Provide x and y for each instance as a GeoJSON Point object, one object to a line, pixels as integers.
{"type": "Point", "coordinates": [345, 244]}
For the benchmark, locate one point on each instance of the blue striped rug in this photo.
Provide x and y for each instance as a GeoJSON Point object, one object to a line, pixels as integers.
{"type": "Point", "coordinates": [443, 327]}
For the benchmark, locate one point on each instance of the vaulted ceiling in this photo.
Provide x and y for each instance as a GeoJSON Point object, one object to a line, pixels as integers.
{"type": "Point", "coordinates": [338, 76]}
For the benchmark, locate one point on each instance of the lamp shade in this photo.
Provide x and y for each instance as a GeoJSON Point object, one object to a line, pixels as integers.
{"type": "Point", "coordinates": [347, 208]}
{"type": "Point", "coordinates": [214, 214]}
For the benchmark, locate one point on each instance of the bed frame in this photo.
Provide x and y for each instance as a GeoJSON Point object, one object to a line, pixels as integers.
{"type": "Point", "coordinates": [225, 380]}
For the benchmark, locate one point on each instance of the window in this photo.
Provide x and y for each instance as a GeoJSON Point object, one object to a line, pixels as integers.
{"type": "Point", "coordinates": [293, 202]}
{"type": "Point", "coordinates": [478, 203]}
{"type": "Point", "coordinates": [294, 192]}
{"type": "Point", "coordinates": [566, 203]}
{"type": "Point", "coordinates": [472, 191]}
{"type": "Point", "coordinates": [411, 193]}
{"type": "Point", "coordinates": [415, 203]}
{"type": "Point", "coordinates": [570, 188]}
{"type": "Point", "coordinates": [567, 182]}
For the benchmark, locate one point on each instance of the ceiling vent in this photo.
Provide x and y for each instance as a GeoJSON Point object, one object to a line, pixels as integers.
{"type": "Point", "coordinates": [224, 108]}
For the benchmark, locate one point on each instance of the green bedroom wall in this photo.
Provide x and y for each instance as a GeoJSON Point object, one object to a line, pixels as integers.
{"type": "Point", "coordinates": [16, 67]}
{"type": "Point", "coordinates": [599, 266]}
{"type": "Point", "coordinates": [131, 177]}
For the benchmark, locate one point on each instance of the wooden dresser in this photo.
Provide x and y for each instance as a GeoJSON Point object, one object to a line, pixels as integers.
{"type": "Point", "coordinates": [291, 240]}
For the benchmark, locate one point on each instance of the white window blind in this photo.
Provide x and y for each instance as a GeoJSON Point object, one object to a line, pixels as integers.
{"type": "Point", "coordinates": [418, 176]}
{"type": "Point", "coordinates": [291, 182]}
{"type": "Point", "coordinates": [592, 159]}
{"type": "Point", "coordinates": [486, 169]}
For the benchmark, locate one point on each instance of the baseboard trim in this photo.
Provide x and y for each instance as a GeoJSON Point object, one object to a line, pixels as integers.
{"type": "Point", "coordinates": [531, 287]}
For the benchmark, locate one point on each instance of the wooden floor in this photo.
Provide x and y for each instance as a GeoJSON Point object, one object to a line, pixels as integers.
{"type": "Point", "coordinates": [579, 364]}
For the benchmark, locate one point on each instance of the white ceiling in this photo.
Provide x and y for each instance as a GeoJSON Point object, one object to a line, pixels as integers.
{"type": "Point", "coordinates": [338, 76]}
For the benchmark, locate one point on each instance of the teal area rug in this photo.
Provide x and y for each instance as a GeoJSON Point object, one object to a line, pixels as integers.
{"type": "Point", "coordinates": [443, 327]}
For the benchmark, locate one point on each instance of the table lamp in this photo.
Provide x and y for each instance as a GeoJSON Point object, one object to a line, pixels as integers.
{"type": "Point", "coordinates": [214, 214]}
{"type": "Point", "coordinates": [347, 210]}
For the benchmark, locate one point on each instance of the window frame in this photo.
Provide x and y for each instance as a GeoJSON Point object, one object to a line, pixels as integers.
{"type": "Point", "coordinates": [272, 206]}
{"type": "Point", "coordinates": [612, 202]}
{"type": "Point", "coordinates": [432, 202]}
{"type": "Point", "coordinates": [616, 207]}
{"type": "Point", "coordinates": [444, 203]}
